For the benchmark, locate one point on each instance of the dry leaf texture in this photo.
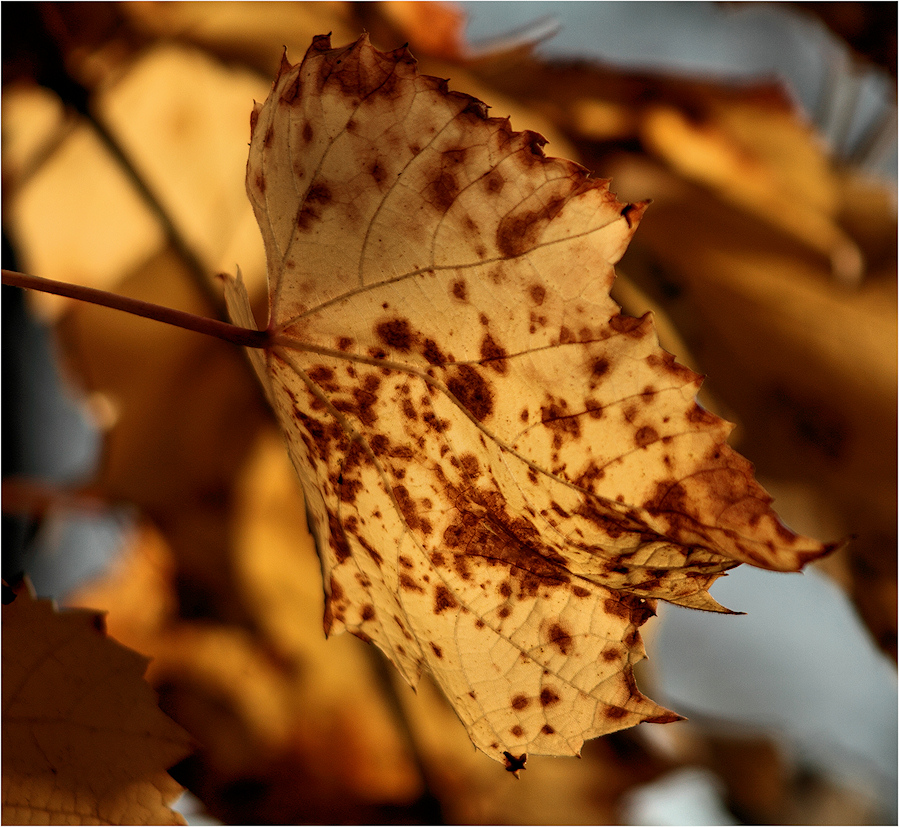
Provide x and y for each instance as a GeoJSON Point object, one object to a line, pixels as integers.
{"type": "Point", "coordinates": [503, 473]}
{"type": "Point", "coordinates": [84, 741]}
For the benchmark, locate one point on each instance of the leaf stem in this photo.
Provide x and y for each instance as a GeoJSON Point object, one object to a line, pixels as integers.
{"type": "Point", "coordinates": [244, 336]}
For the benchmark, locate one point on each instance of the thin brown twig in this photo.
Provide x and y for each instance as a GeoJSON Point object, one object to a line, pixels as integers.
{"type": "Point", "coordinates": [234, 334]}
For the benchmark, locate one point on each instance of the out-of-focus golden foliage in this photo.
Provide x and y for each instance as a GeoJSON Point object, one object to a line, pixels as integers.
{"type": "Point", "coordinates": [771, 268]}
{"type": "Point", "coordinates": [83, 739]}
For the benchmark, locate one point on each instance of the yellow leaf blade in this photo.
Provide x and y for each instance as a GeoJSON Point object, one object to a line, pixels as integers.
{"type": "Point", "coordinates": [502, 472]}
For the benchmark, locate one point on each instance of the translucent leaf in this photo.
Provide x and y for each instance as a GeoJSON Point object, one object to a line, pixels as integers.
{"type": "Point", "coordinates": [503, 472]}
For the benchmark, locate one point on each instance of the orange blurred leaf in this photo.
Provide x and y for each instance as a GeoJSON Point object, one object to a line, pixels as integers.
{"type": "Point", "coordinates": [84, 741]}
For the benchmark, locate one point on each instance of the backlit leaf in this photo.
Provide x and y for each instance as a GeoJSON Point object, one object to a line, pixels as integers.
{"type": "Point", "coordinates": [503, 472]}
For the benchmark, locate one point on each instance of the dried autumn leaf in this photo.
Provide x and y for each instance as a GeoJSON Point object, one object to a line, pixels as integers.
{"type": "Point", "coordinates": [503, 473]}
{"type": "Point", "coordinates": [84, 741]}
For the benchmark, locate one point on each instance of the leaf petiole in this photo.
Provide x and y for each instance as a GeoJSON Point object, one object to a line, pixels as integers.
{"type": "Point", "coordinates": [243, 336]}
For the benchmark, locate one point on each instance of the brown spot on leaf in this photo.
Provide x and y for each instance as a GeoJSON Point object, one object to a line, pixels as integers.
{"type": "Point", "coordinates": [626, 325]}
{"type": "Point", "coordinates": [409, 584]}
{"type": "Point", "coordinates": [580, 591]}
{"type": "Point", "coordinates": [564, 425]}
{"type": "Point", "coordinates": [460, 290]}
{"type": "Point", "coordinates": [433, 354]}
{"type": "Point", "coordinates": [324, 377]}
{"type": "Point", "coordinates": [364, 406]}
{"type": "Point", "coordinates": [401, 452]}
{"type": "Point", "coordinates": [444, 600]}
{"type": "Point", "coordinates": [560, 638]}
{"type": "Point", "coordinates": [593, 408]}
{"type": "Point", "coordinates": [406, 506]}
{"type": "Point", "coordinates": [494, 355]}
{"type": "Point", "coordinates": [438, 652]}
{"type": "Point", "coordinates": [378, 560]}
{"type": "Point", "coordinates": [599, 367]}
{"type": "Point", "coordinates": [318, 195]}
{"type": "Point", "coordinates": [670, 497]}
{"type": "Point", "coordinates": [377, 171]}
{"type": "Point", "coordinates": [546, 729]}
{"type": "Point", "coordinates": [537, 321]}
{"type": "Point", "coordinates": [470, 465]}
{"type": "Point", "coordinates": [337, 540]}
{"type": "Point", "coordinates": [348, 488]}
{"type": "Point", "coordinates": [614, 712]}
{"type": "Point", "coordinates": [517, 731]}
{"type": "Point", "coordinates": [469, 387]}
{"type": "Point", "coordinates": [518, 232]}
{"type": "Point", "coordinates": [537, 293]}
{"type": "Point", "coordinates": [617, 608]}
{"type": "Point", "coordinates": [494, 181]}
{"type": "Point", "coordinates": [666, 361]}
{"type": "Point", "coordinates": [396, 334]}
{"type": "Point", "coordinates": [645, 436]}
{"type": "Point", "coordinates": [549, 696]}
{"type": "Point", "coordinates": [408, 409]}
{"type": "Point", "coordinates": [442, 191]}
{"type": "Point", "coordinates": [701, 416]}
{"type": "Point", "coordinates": [520, 702]}
{"type": "Point", "coordinates": [368, 612]}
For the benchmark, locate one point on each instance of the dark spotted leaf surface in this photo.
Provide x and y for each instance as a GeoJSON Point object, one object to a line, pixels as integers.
{"type": "Point", "coordinates": [502, 472]}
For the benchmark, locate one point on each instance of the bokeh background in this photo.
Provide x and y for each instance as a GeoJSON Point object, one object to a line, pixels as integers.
{"type": "Point", "coordinates": [144, 476]}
